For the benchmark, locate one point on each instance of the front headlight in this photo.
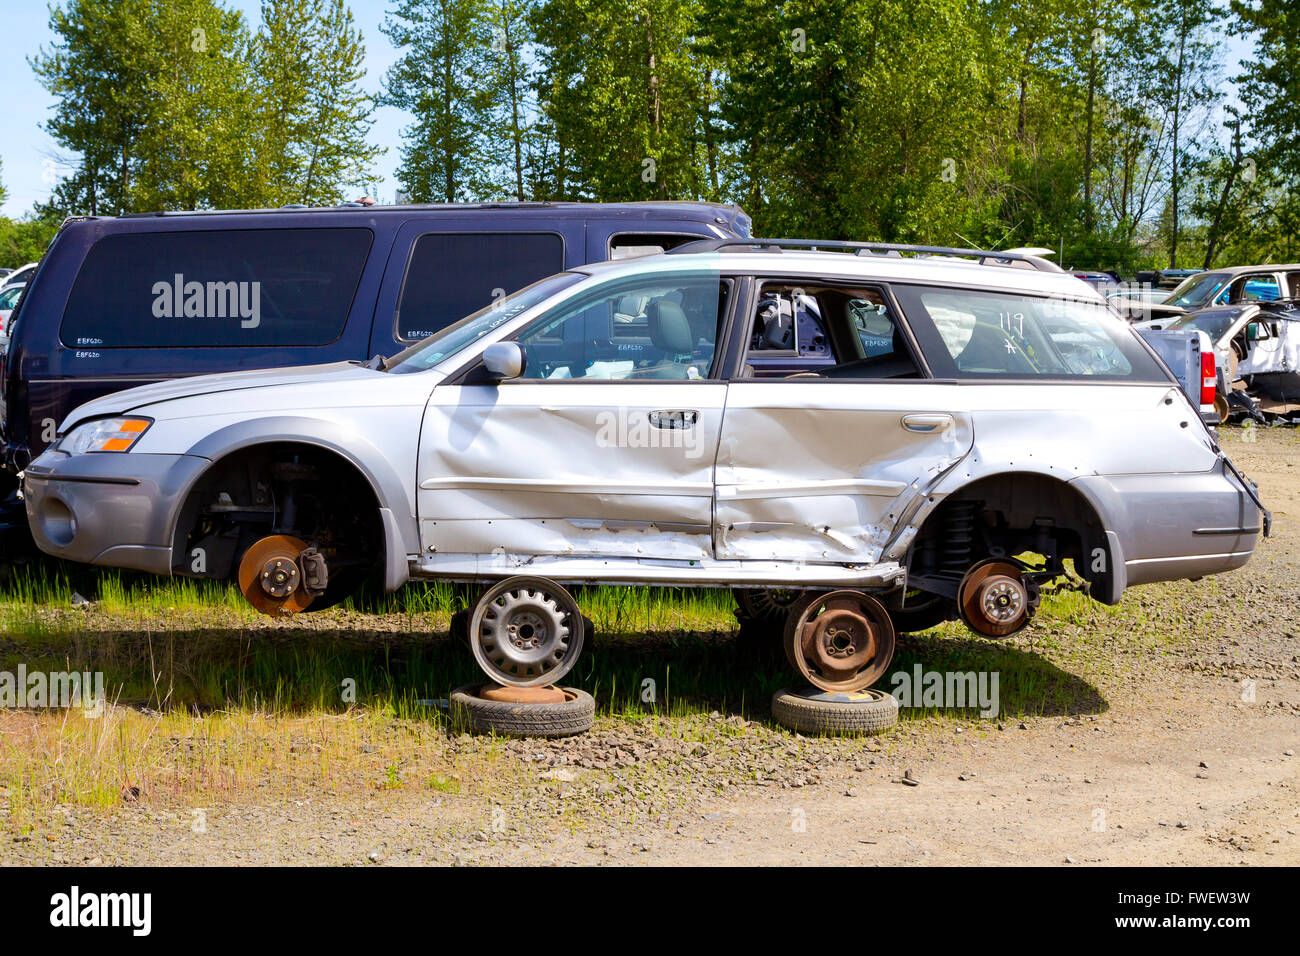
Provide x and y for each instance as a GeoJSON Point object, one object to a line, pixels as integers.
{"type": "Point", "coordinates": [104, 434]}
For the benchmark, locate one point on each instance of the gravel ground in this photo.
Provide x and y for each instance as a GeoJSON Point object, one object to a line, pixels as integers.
{"type": "Point", "coordinates": [1169, 760]}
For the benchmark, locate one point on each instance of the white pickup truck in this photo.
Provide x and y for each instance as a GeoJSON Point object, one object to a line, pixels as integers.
{"type": "Point", "coordinates": [1192, 358]}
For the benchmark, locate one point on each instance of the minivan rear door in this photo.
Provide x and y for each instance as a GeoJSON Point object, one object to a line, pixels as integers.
{"type": "Point", "coordinates": [441, 270]}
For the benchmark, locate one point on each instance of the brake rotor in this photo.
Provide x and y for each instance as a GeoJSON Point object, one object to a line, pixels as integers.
{"type": "Point", "coordinates": [996, 599]}
{"type": "Point", "coordinates": [270, 578]}
{"type": "Point", "coordinates": [840, 642]}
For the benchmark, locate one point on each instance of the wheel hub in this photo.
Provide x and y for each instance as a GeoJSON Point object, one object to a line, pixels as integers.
{"type": "Point", "coordinates": [269, 576]}
{"type": "Point", "coordinates": [996, 599]}
{"type": "Point", "coordinates": [279, 577]}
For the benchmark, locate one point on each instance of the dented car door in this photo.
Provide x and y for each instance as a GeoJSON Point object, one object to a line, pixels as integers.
{"type": "Point", "coordinates": [823, 471]}
{"type": "Point", "coordinates": [604, 446]}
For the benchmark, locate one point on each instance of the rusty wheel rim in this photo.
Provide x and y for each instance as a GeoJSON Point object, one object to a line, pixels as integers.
{"type": "Point", "coordinates": [840, 642]}
{"type": "Point", "coordinates": [269, 576]}
{"type": "Point", "coordinates": [994, 599]}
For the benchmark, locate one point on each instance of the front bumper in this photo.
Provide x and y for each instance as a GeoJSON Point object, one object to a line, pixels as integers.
{"type": "Point", "coordinates": [115, 509]}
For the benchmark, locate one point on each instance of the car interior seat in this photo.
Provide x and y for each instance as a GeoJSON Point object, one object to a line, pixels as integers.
{"type": "Point", "coordinates": [670, 333]}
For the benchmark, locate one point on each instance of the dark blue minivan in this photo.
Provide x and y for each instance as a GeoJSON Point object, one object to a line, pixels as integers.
{"type": "Point", "coordinates": [125, 301]}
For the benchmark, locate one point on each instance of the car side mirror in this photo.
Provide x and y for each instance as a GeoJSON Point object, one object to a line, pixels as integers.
{"type": "Point", "coordinates": [1257, 332]}
{"type": "Point", "coordinates": [504, 360]}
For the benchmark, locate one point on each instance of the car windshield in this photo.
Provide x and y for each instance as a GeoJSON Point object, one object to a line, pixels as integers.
{"type": "Point", "coordinates": [1197, 290]}
{"type": "Point", "coordinates": [1215, 323]}
{"type": "Point", "coordinates": [429, 352]}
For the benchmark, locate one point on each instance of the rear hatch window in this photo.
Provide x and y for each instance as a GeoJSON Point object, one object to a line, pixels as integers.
{"type": "Point", "coordinates": [224, 288]}
{"type": "Point", "coordinates": [976, 334]}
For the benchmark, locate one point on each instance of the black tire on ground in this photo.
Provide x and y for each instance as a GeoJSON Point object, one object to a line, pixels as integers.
{"type": "Point", "coordinates": [863, 712]}
{"type": "Point", "coordinates": [574, 716]}
{"type": "Point", "coordinates": [931, 612]}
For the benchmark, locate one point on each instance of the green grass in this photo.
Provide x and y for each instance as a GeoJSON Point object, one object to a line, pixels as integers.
{"type": "Point", "coordinates": [661, 652]}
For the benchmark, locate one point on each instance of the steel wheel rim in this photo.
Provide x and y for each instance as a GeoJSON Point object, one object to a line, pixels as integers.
{"type": "Point", "coordinates": [768, 603]}
{"type": "Point", "coordinates": [842, 641]}
{"type": "Point", "coordinates": [526, 633]}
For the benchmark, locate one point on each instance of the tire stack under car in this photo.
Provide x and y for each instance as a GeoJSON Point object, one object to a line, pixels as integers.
{"type": "Point", "coordinates": [526, 633]}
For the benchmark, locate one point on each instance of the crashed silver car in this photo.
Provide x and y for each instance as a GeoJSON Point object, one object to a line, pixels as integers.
{"type": "Point", "coordinates": [867, 438]}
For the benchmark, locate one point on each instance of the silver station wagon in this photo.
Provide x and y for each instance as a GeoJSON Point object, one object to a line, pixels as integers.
{"type": "Point", "coordinates": [857, 438]}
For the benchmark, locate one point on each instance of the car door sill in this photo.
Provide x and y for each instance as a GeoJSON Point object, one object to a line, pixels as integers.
{"type": "Point", "coordinates": [701, 573]}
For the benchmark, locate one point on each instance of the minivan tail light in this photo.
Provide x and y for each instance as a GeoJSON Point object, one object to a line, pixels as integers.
{"type": "Point", "coordinates": [1208, 378]}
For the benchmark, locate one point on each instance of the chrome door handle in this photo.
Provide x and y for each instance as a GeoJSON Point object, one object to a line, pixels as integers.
{"type": "Point", "coordinates": [926, 423]}
{"type": "Point", "coordinates": [674, 418]}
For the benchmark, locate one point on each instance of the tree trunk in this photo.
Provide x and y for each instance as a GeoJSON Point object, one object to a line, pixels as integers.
{"type": "Point", "coordinates": [1178, 104]}
{"type": "Point", "coordinates": [1212, 233]}
{"type": "Point", "coordinates": [1089, 220]}
{"type": "Point", "coordinates": [655, 105]}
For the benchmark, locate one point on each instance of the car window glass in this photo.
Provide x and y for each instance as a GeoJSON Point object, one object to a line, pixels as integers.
{"type": "Point", "coordinates": [630, 245]}
{"type": "Point", "coordinates": [654, 327]}
{"type": "Point", "coordinates": [1007, 334]}
{"type": "Point", "coordinates": [1260, 288]}
{"type": "Point", "coordinates": [444, 344]}
{"type": "Point", "coordinates": [1198, 290]}
{"type": "Point", "coordinates": [451, 275]}
{"type": "Point", "coordinates": [236, 288]}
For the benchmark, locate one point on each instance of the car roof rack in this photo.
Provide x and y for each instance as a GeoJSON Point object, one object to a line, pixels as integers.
{"type": "Point", "coordinates": [895, 250]}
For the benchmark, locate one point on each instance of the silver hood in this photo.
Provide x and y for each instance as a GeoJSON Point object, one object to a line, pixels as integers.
{"type": "Point", "coordinates": [134, 398]}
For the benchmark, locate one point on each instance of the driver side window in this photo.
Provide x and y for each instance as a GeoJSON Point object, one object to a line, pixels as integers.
{"type": "Point", "coordinates": [656, 327]}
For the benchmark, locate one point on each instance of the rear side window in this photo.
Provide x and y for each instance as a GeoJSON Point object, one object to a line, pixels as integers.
{"type": "Point", "coordinates": [234, 288]}
{"type": "Point", "coordinates": [977, 335]}
{"type": "Point", "coordinates": [452, 275]}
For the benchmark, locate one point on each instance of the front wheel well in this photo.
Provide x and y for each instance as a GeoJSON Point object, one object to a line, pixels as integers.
{"type": "Point", "coordinates": [311, 492]}
{"type": "Point", "coordinates": [1010, 514]}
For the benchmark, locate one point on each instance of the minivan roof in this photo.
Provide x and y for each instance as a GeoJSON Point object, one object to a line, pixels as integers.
{"type": "Point", "coordinates": [677, 207]}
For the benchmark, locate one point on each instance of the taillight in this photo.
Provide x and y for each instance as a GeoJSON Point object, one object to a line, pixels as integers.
{"type": "Point", "coordinates": [1209, 380]}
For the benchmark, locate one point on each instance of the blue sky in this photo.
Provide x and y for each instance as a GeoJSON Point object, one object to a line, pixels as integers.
{"type": "Point", "coordinates": [25, 148]}
{"type": "Point", "coordinates": [25, 106]}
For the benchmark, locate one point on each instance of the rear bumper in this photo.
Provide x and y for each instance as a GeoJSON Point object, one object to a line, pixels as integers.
{"type": "Point", "coordinates": [110, 509]}
{"type": "Point", "coordinates": [1177, 526]}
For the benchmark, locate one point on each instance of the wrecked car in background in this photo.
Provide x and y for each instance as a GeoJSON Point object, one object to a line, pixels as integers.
{"type": "Point", "coordinates": [869, 433]}
{"type": "Point", "coordinates": [1258, 349]}
{"type": "Point", "coordinates": [1218, 288]}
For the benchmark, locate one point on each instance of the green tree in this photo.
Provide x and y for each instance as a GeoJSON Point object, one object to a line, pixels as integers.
{"type": "Point", "coordinates": [440, 79]}
{"type": "Point", "coordinates": [512, 136]}
{"type": "Point", "coordinates": [625, 94]}
{"type": "Point", "coordinates": [311, 116]}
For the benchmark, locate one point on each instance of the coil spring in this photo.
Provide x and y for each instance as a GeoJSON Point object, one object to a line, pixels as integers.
{"type": "Point", "coordinates": [958, 536]}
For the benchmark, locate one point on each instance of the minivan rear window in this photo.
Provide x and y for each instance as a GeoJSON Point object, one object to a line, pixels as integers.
{"type": "Point", "coordinates": [452, 275]}
{"type": "Point", "coordinates": [976, 334]}
{"type": "Point", "coordinates": [237, 288]}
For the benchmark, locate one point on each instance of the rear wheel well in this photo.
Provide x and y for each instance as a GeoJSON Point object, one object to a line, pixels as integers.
{"type": "Point", "coordinates": [1009, 514]}
{"type": "Point", "coordinates": [311, 492]}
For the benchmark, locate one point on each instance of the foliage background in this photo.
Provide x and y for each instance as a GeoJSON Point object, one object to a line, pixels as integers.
{"type": "Point", "coordinates": [1107, 130]}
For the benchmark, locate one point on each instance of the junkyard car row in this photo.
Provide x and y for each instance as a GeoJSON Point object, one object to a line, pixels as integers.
{"type": "Point", "coordinates": [871, 438]}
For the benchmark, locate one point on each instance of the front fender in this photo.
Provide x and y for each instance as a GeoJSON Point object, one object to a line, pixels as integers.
{"type": "Point", "coordinates": [393, 494]}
